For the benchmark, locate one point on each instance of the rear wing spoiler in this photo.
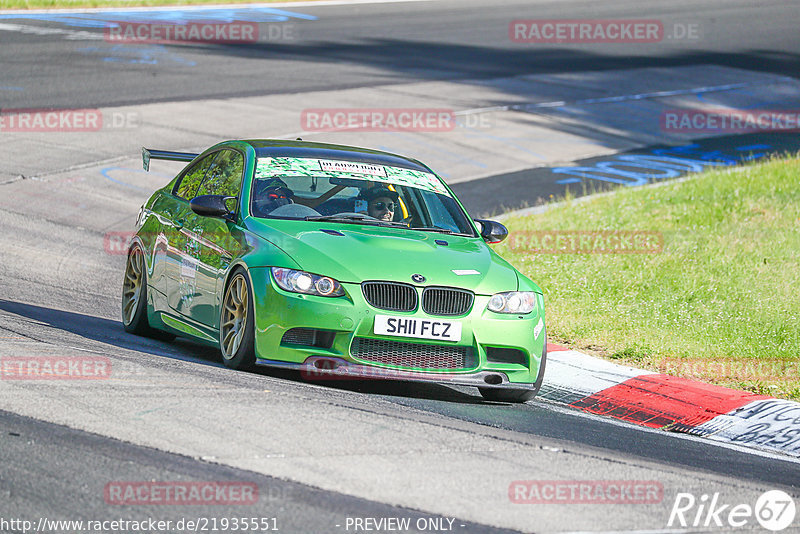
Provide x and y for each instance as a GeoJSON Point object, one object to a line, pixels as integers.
{"type": "Point", "coordinates": [148, 154]}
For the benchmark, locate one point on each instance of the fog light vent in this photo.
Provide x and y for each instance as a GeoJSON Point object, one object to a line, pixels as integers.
{"type": "Point", "coordinates": [308, 337]}
{"type": "Point", "coordinates": [506, 355]}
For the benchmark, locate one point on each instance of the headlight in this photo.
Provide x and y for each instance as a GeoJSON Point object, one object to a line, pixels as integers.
{"type": "Point", "coordinates": [303, 282]}
{"type": "Point", "coordinates": [513, 302]}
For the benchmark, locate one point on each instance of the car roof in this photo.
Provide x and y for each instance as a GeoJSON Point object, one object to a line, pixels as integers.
{"type": "Point", "coordinates": [306, 149]}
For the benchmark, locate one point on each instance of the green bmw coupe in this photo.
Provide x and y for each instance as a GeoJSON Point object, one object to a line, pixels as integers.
{"type": "Point", "coordinates": [337, 261]}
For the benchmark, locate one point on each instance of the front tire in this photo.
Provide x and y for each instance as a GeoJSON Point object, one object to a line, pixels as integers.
{"type": "Point", "coordinates": [134, 298]}
{"type": "Point", "coordinates": [237, 323]}
{"type": "Point", "coordinates": [518, 395]}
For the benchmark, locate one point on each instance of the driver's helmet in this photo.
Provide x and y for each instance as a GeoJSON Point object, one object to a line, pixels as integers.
{"type": "Point", "coordinates": [273, 194]}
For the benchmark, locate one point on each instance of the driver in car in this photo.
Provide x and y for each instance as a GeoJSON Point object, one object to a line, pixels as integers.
{"type": "Point", "coordinates": [273, 194]}
{"type": "Point", "coordinates": [381, 202]}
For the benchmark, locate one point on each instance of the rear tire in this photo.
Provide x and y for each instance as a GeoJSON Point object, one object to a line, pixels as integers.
{"type": "Point", "coordinates": [518, 395]}
{"type": "Point", "coordinates": [237, 323]}
{"type": "Point", "coordinates": [134, 298]}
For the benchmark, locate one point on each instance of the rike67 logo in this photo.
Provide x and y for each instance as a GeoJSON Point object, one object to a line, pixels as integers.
{"type": "Point", "coordinates": [774, 510]}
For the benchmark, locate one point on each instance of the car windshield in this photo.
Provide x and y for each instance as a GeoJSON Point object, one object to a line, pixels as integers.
{"type": "Point", "coordinates": [355, 193]}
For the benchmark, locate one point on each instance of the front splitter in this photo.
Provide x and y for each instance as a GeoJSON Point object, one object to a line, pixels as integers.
{"type": "Point", "coordinates": [328, 368]}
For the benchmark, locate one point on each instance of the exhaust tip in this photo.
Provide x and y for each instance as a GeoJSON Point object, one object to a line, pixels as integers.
{"type": "Point", "coordinates": [493, 379]}
{"type": "Point", "coordinates": [326, 364]}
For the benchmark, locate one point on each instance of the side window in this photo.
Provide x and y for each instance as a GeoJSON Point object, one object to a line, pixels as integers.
{"type": "Point", "coordinates": [190, 183]}
{"type": "Point", "coordinates": [224, 177]}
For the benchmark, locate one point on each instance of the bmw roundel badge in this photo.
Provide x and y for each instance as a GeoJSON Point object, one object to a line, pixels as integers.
{"type": "Point", "coordinates": [418, 278]}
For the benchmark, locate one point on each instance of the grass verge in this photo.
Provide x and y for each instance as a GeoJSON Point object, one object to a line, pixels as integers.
{"type": "Point", "coordinates": [81, 4]}
{"type": "Point", "coordinates": [715, 296]}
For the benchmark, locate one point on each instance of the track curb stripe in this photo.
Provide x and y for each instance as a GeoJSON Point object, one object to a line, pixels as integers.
{"type": "Point", "coordinates": [660, 401]}
{"type": "Point", "coordinates": [671, 403]}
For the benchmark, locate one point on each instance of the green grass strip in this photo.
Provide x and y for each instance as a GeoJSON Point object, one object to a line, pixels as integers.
{"type": "Point", "coordinates": [720, 302]}
{"type": "Point", "coordinates": [80, 4]}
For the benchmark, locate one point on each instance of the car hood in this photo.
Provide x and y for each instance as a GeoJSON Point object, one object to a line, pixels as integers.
{"type": "Point", "coordinates": [354, 253]}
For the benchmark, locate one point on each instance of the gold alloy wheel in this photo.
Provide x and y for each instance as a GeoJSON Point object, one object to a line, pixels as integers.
{"type": "Point", "coordinates": [234, 316]}
{"type": "Point", "coordinates": [132, 286]}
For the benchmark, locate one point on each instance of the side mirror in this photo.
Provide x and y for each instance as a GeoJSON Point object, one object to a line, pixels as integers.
{"type": "Point", "coordinates": [492, 231]}
{"type": "Point", "coordinates": [212, 206]}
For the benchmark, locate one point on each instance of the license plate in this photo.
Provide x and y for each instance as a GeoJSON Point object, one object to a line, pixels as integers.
{"type": "Point", "coordinates": [388, 325]}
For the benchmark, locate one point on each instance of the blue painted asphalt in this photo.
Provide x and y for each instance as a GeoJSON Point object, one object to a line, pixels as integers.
{"type": "Point", "coordinates": [102, 19]}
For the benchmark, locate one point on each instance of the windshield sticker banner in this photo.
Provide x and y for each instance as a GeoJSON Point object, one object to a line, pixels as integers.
{"type": "Point", "coordinates": [353, 168]}
{"type": "Point", "coordinates": [291, 167]}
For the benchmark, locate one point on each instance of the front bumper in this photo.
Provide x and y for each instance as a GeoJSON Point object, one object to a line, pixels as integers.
{"type": "Point", "coordinates": [346, 318]}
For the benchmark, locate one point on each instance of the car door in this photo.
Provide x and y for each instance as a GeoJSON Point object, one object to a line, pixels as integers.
{"type": "Point", "coordinates": [181, 286]}
{"type": "Point", "coordinates": [213, 246]}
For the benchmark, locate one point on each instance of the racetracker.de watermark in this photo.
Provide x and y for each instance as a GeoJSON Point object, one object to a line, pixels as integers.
{"type": "Point", "coordinates": [326, 369]}
{"type": "Point", "coordinates": [55, 368]}
{"type": "Point", "coordinates": [379, 120]}
{"type": "Point", "coordinates": [587, 242]}
{"type": "Point", "coordinates": [65, 120]}
{"type": "Point", "coordinates": [729, 121]}
{"type": "Point", "coordinates": [141, 493]}
{"type": "Point", "coordinates": [193, 32]}
{"type": "Point", "coordinates": [576, 31]}
{"type": "Point", "coordinates": [117, 243]}
{"type": "Point", "coordinates": [734, 369]}
{"type": "Point", "coordinates": [585, 492]}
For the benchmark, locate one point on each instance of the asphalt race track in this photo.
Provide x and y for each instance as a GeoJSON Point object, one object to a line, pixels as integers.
{"type": "Point", "coordinates": [324, 454]}
{"type": "Point", "coordinates": [366, 45]}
